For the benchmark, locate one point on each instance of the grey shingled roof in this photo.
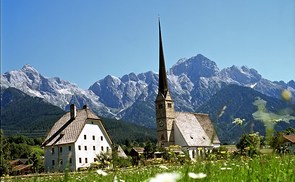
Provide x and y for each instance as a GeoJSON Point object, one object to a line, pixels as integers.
{"type": "Point", "coordinates": [196, 129]}
{"type": "Point", "coordinates": [208, 127]}
{"type": "Point", "coordinates": [66, 131]}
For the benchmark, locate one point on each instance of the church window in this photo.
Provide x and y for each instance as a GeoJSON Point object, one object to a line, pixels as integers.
{"type": "Point", "coordinates": [53, 162]}
{"type": "Point", "coordinates": [60, 149]}
{"type": "Point", "coordinates": [107, 149]}
{"type": "Point", "coordinates": [60, 161]}
{"type": "Point", "coordinates": [70, 160]}
{"type": "Point", "coordinates": [84, 137]}
{"type": "Point", "coordinates": [70, 148]}
{"type": "Point", "coordinates": [169, 105]}
{"type": "Point", "coordinates": [79, 147]}
{"type": "Point", "coordinates": [101, 138]}
{"type": "Point", "coordinates": [86, 161]}
{"type": "Point", "coordinates": [101, 148]}
{"type": "Point", "coordinates": [52, 150]}
{"type": "Point", "coordinates": [85, 147]}
{"type": "Point", "coordinates": [93, 147]}
{"type": "Point", "coordinates": [93, 137]}
{"type": "Point", "coordinates": [80, 160]}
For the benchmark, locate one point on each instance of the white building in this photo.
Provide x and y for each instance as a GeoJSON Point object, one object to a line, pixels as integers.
{"type": "Point", "coordinates": [75, 140]}
{"type": "Point", "coordinates": [194, 132]}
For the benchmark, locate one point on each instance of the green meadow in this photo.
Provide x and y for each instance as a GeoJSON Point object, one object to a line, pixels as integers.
{"type": "Point", "coordinates": [262, 168]}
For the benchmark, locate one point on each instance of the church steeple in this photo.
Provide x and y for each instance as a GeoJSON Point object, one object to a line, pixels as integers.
{"type": "Point", "coordinates": [163, 84]}
{"type": "Point", "coordinates": [165, 114]}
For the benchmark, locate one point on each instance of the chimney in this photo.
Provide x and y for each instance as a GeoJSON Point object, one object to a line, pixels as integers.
{"type": "Point", "coordinates": [85, 107]}
{"type": "Point", "coordinates": [73, 111]}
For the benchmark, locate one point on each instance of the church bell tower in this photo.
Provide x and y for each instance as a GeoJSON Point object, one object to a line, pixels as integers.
{"type": "Point", "coordinates": [164, 104]}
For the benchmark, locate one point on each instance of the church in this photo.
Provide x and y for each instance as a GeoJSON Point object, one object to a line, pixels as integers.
{"type": "Point", "coordinates": [194, 132]}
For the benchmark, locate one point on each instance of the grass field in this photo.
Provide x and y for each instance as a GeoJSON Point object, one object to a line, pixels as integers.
{"type": "Point", "coordinates": [262, 168]}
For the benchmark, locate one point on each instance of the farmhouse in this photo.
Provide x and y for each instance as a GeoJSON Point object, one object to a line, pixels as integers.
{"type": "Point", "coordinates": [289, 142]}
{"type": "Point", "coordinates": [193, 132]}
{"type": "Point", "coordinates": [75, 140]}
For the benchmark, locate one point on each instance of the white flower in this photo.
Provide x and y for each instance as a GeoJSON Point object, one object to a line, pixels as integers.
{"type": "Point", "coordinates": [101, 172]}
{"type": "Point", "coordinates": [225, 168]}
{"type": "Point", "coordinates": [165, 177]}
{"type": "Point", "coordinates": [163, 167]}
{"type": "Point", "coordinates": [197, 176]}
{"type": "Point", "coordinates": [116, 179]}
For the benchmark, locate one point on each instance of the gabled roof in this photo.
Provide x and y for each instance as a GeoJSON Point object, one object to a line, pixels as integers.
{"type": "Point", "coordinates": [196, 129]}
{"type": "Point", "coordinates": [290, 138]}
{"type": "Point", "coordinates": [67, 130]}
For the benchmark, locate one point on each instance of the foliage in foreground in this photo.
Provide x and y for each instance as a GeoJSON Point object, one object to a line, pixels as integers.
{"type": "Point", "coordinates": [262, 168]}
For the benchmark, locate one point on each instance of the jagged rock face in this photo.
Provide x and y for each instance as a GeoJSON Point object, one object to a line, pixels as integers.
{"type": "Point", "coordinates": [195, 67]}
{"type": "Point", "coordinates": [191, 81]}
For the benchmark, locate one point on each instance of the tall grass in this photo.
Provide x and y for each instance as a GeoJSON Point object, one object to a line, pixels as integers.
{"type": "Point", "coordinates": [262, 168]}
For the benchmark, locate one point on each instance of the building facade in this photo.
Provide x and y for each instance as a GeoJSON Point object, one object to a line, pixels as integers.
{"type": "Point", "coordinates": [75, 140]}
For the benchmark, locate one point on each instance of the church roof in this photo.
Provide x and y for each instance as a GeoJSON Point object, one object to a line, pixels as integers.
{"type": "Point", "coordinates": [195, 129]}
{"type": "Point", "coordinates": [67, 130]}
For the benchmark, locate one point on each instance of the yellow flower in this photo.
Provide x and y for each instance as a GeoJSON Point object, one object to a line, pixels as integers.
{"type": "Point", "coordinates": [286, 95]}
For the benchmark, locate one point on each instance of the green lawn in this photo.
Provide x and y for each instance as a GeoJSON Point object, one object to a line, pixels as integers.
{"type": "Point", "coordinates": [263, 168]}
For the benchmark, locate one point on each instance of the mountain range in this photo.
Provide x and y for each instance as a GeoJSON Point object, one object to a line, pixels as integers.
{"type": "Point", "coordinates": [193, 83]}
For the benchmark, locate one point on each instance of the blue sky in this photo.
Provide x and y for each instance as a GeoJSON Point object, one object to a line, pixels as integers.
{"type": "Point", "coordinates": [84, 41]}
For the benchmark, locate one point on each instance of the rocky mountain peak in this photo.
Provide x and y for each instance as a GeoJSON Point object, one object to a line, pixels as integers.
{"type": "Point", "coordinates": [195, 67]}
{"type": "Point", "coordinates": [242, 75]}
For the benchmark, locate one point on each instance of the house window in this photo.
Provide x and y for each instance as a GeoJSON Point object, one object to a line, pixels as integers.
{"type": "Point", "coordinates": [53, 162]}
{"type": "Point", "coordinates": [86, 161]}
{"type": "Point", "coordinates": [70, 160]}
{"type": "Point", "coordinates": [101, 148]}
{"type": "Point", "coordinates": [169, 105]}
{"type": "Point", "coordinates": [93, 137]}
{"type": "Point", "coordinates": [107, 149]}
{"type": "Point", "coordinates": [93, 147]}
{"type": "Point", "coordinates": [85, 147]}
{"type": "Point", "coordinates": [52, 150]}
{"type": "Point", "coordinates": [84, 137]}
{"type": "Point", "coordinates": [80, 160]}
{"type": "Point", "coordinates": [79, 147]}
{"type": "Point", "coordinates": [60, 149]}
{"type": "Point", "coordinates": [101, 138]}
{"type": "Point", "coordinates": [70, 148]}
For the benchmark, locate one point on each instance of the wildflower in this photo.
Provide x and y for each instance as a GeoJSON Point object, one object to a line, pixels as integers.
{"type": "Point", "coordinates": [238, 121]}
{"type": "Point", "coordinates": [225, 168]}
{"type": "Point", "coordinates": [165, 177]}
{"type": "Point", "coordinates": [116, 179]}
{"type": "Point", "coordinates": [222, 111]}
{"type": "Point", "coordinates": [101, 172]}
{"type": "Point", "coordinates": [163, 167]}
{"type": "Point", "coordinates": [197, 176]}
{"type": "Point", "coordinates": [286, 95]}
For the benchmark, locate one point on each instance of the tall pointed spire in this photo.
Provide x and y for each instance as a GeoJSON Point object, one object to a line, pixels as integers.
{"type": "Point", "coordinates": [163, 84]}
